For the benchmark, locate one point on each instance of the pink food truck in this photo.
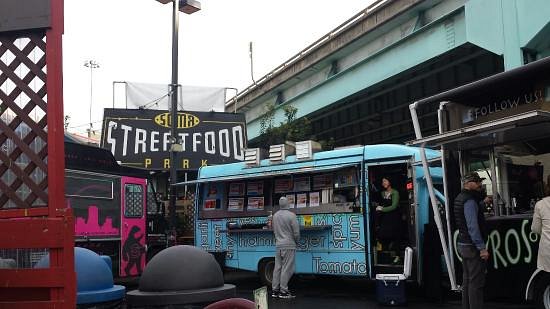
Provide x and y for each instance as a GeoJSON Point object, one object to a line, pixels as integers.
{"type": "Point", "coordinates": [109, 203]}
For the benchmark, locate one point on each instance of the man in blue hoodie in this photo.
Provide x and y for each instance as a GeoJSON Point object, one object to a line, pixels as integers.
{"type": "Point", "coordinates": [287, 235]}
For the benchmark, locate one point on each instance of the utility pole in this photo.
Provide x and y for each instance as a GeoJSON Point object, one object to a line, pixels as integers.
{"type": "Point", "coordinates": [91, 64]}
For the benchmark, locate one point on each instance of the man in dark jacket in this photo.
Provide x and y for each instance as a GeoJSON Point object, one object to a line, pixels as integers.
{"type": "Point", "coordinates": [470, 222]}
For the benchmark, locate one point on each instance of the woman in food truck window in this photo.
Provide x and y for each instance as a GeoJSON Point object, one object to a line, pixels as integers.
{"type": "Point", "coordinates": [388, 216]}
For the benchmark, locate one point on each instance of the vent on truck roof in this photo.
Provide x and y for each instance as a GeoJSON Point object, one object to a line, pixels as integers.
{"type": "Point", "coordinates": [306, 149]}
{"type": "Point", "coordinates": [253, 156]}
{"type": "Point", "coordinates": [278, 153]}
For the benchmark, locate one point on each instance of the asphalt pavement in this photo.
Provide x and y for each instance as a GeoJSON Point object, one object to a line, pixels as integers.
{"type": "Point", "coordinates": [336, 292]}
{"type": "Point", "coordinates": [339, 292]}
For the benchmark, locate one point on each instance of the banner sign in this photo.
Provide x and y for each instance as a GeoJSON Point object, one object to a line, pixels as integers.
{"type": "Point", "coordinates": [141, 138]}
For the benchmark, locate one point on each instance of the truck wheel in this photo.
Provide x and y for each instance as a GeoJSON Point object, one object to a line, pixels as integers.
{"type": "Point", "coordinates": [542, 293]}
{"type": "Point", "coordinates": [265, 270]}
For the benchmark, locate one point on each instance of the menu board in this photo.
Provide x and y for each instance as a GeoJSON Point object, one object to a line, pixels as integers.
{"type": "Point", "coordinates": [283, 185]}
{"type": "Point", "coordinates": [291, 198]}
{"type": "Point", "coordinates": [301, 184]}
{"type": "Point", "coordinates": [209, 204]}
{"type": "Point", "coordinates": [301, 200]}
{"type": "Point", "coordinates": [322, 181]}
{"type": "Point", "coordinates": [212, 190]}
{"type": "Point", "coordinates": [255, 203]}
{"type": "Point", "coordinates": [345, 178]}
{"type": "Point", "coordinates": [236, 189]}
{"type": "Point", "coordinates": [255, 188]}
{"type": "Point", "coordinates": [314, 199]}
{"type": "Point", "coordinates": [235, 204]}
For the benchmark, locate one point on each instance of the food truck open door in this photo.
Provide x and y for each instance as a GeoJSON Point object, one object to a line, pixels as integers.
{"type": "Point", "coordinates": [401, 174]}
{"type": "Point", "coordinates": [412, 219]}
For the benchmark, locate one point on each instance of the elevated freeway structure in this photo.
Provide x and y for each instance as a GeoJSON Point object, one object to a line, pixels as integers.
{"type": "Point", "coordinates": [355, 83]}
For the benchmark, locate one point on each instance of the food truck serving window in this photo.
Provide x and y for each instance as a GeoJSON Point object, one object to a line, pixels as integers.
{"type": "Point", "coordinates": [89, 187]}
{"type": "Point", "coordinates": [332, 191]}
{"type": "Point", "coordinates": [525, 174]}
{"type": "Point", "coordinates": [517, 174]}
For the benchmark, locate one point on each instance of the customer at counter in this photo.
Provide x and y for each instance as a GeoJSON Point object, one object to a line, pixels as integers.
{"type": "Point", "coordinates": [287, 235]}
{"type": "Point", "coordinates": [472, 228]}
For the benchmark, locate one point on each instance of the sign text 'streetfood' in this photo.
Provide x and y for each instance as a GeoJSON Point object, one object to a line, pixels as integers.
{"type": "Point", "coordinates": [141, 138]}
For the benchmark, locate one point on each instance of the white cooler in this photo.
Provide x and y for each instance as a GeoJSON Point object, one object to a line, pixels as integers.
{"type": "Point", "coordinates": [390, 288]}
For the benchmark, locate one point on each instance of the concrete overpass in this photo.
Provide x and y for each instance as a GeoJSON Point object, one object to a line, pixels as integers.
{"type": "Point", "coordinates": [356, 82]}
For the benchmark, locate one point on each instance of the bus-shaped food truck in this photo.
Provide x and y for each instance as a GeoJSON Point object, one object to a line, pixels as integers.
{"type": "Point", "coordinates": [500, 128]}
{"type": "Point", "coordinates": [110, 204]}
{"type": "Point", "coordinates": [333, 194]}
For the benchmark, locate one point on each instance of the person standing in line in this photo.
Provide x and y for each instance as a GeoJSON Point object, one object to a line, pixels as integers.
{"type": "Point", "coordinates": [541, 226]}
{"type": "Point", "coordinates": [287, 235]}
{"type": "Point", "coordinates": [470, 221]}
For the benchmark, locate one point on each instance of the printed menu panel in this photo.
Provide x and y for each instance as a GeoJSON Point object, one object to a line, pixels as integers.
{"type": "Point", "coordinates": [255, 203]}
{"type": "Point", "coordinates": [291, 200]}
{"type": "Point", "coordinates": [283, 185]}
{"type": "Point", "coordinates": [314, 199]}
{"type": "Point", "coordinates": [345, 178]}
{"type": "Point", "coordinates": [212, 190]}
{"type": "Point", "coordinates": [255, 188]}
{"type": "Point", "coordinates": [301, 184]}
{"type": "Point", "coordinates": [301, 200]}
{"type": "Point", "coordinates": [322, 181]}
{"type": "Point", "coordinates": [209, 204]}
{"type": "Point", "coordinates": [236, 189]}
{"type": "Point", "coordinates": [235, 204]}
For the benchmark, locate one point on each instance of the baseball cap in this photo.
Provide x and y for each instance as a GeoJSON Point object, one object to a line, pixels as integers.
{"type": "Point", "coordinates": [472, 177]}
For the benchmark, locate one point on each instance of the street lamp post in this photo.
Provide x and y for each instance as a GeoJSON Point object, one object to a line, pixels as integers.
{"type": "Point", "coordinates": [92, 64]}
{"type": "Point", "coordinates": [188, 7]}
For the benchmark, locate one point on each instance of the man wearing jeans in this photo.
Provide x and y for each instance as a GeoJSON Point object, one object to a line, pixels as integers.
{"type": "Point", "coordinates": [287, 234]}
{"type": "Point", "coordinates": [470, 222]}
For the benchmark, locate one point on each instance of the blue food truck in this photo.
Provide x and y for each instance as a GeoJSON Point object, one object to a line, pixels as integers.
{"type": "Point", "coordinates": [334, 195]}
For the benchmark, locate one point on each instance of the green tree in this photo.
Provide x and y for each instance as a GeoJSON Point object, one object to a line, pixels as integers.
{"type": "Point", "coordinates": [291, 129]}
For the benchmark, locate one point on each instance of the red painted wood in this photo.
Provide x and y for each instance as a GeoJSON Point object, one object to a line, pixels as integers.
{"type": "Point", "coordinates": [33, 278]}
{"type": "Point", "coordinates": [22, 213]}
{"type": "Point", "coordinates": [46, 233]}
{"type": "Point", "coordinates": [51, 225]}
{"type": "Point", "coordinates": [34, 305]}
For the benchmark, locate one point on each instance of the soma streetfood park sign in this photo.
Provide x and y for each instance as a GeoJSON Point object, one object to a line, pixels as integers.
{"type": "Point", "coordinates": [141, 138]}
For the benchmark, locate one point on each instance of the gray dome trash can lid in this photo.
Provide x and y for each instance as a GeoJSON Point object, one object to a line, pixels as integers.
{"type": "Point", "coordinates": [181, 275]}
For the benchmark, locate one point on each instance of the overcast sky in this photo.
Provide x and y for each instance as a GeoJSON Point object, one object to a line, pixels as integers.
{"type": "Point", "coordinates": [131, 41]}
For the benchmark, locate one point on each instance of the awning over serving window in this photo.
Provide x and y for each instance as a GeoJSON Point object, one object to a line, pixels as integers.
{"type": "Point", "coordinates": [535, 124]}
{"type": "Point", "coordinates": [483, 89]}
{"type": "Point", "coordinates": [268, 174]}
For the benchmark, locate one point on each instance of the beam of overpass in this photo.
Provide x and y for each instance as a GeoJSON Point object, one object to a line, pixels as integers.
{"type": "Point", "coordinates": [365, 21]}
{"type": "Point", "coordinates": [402, 35]}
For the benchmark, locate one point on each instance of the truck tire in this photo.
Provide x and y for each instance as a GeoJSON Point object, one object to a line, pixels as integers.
{"type": "Point", "coordinates": [542, 293]}
{"type": "Point", "coordinates": [265, 270]}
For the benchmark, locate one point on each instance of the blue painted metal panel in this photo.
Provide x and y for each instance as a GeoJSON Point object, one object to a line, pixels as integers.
{"type": "Point", "coordinates": [484, 25]}
{"type": "Point", "coordinates": [384, 152]}
{"type": "Point", "coordinates": [320, 160]}
{"type": "Point", "coordinates": [533, 15]}
{"type": "Point", "coordinates": [319, 251]}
